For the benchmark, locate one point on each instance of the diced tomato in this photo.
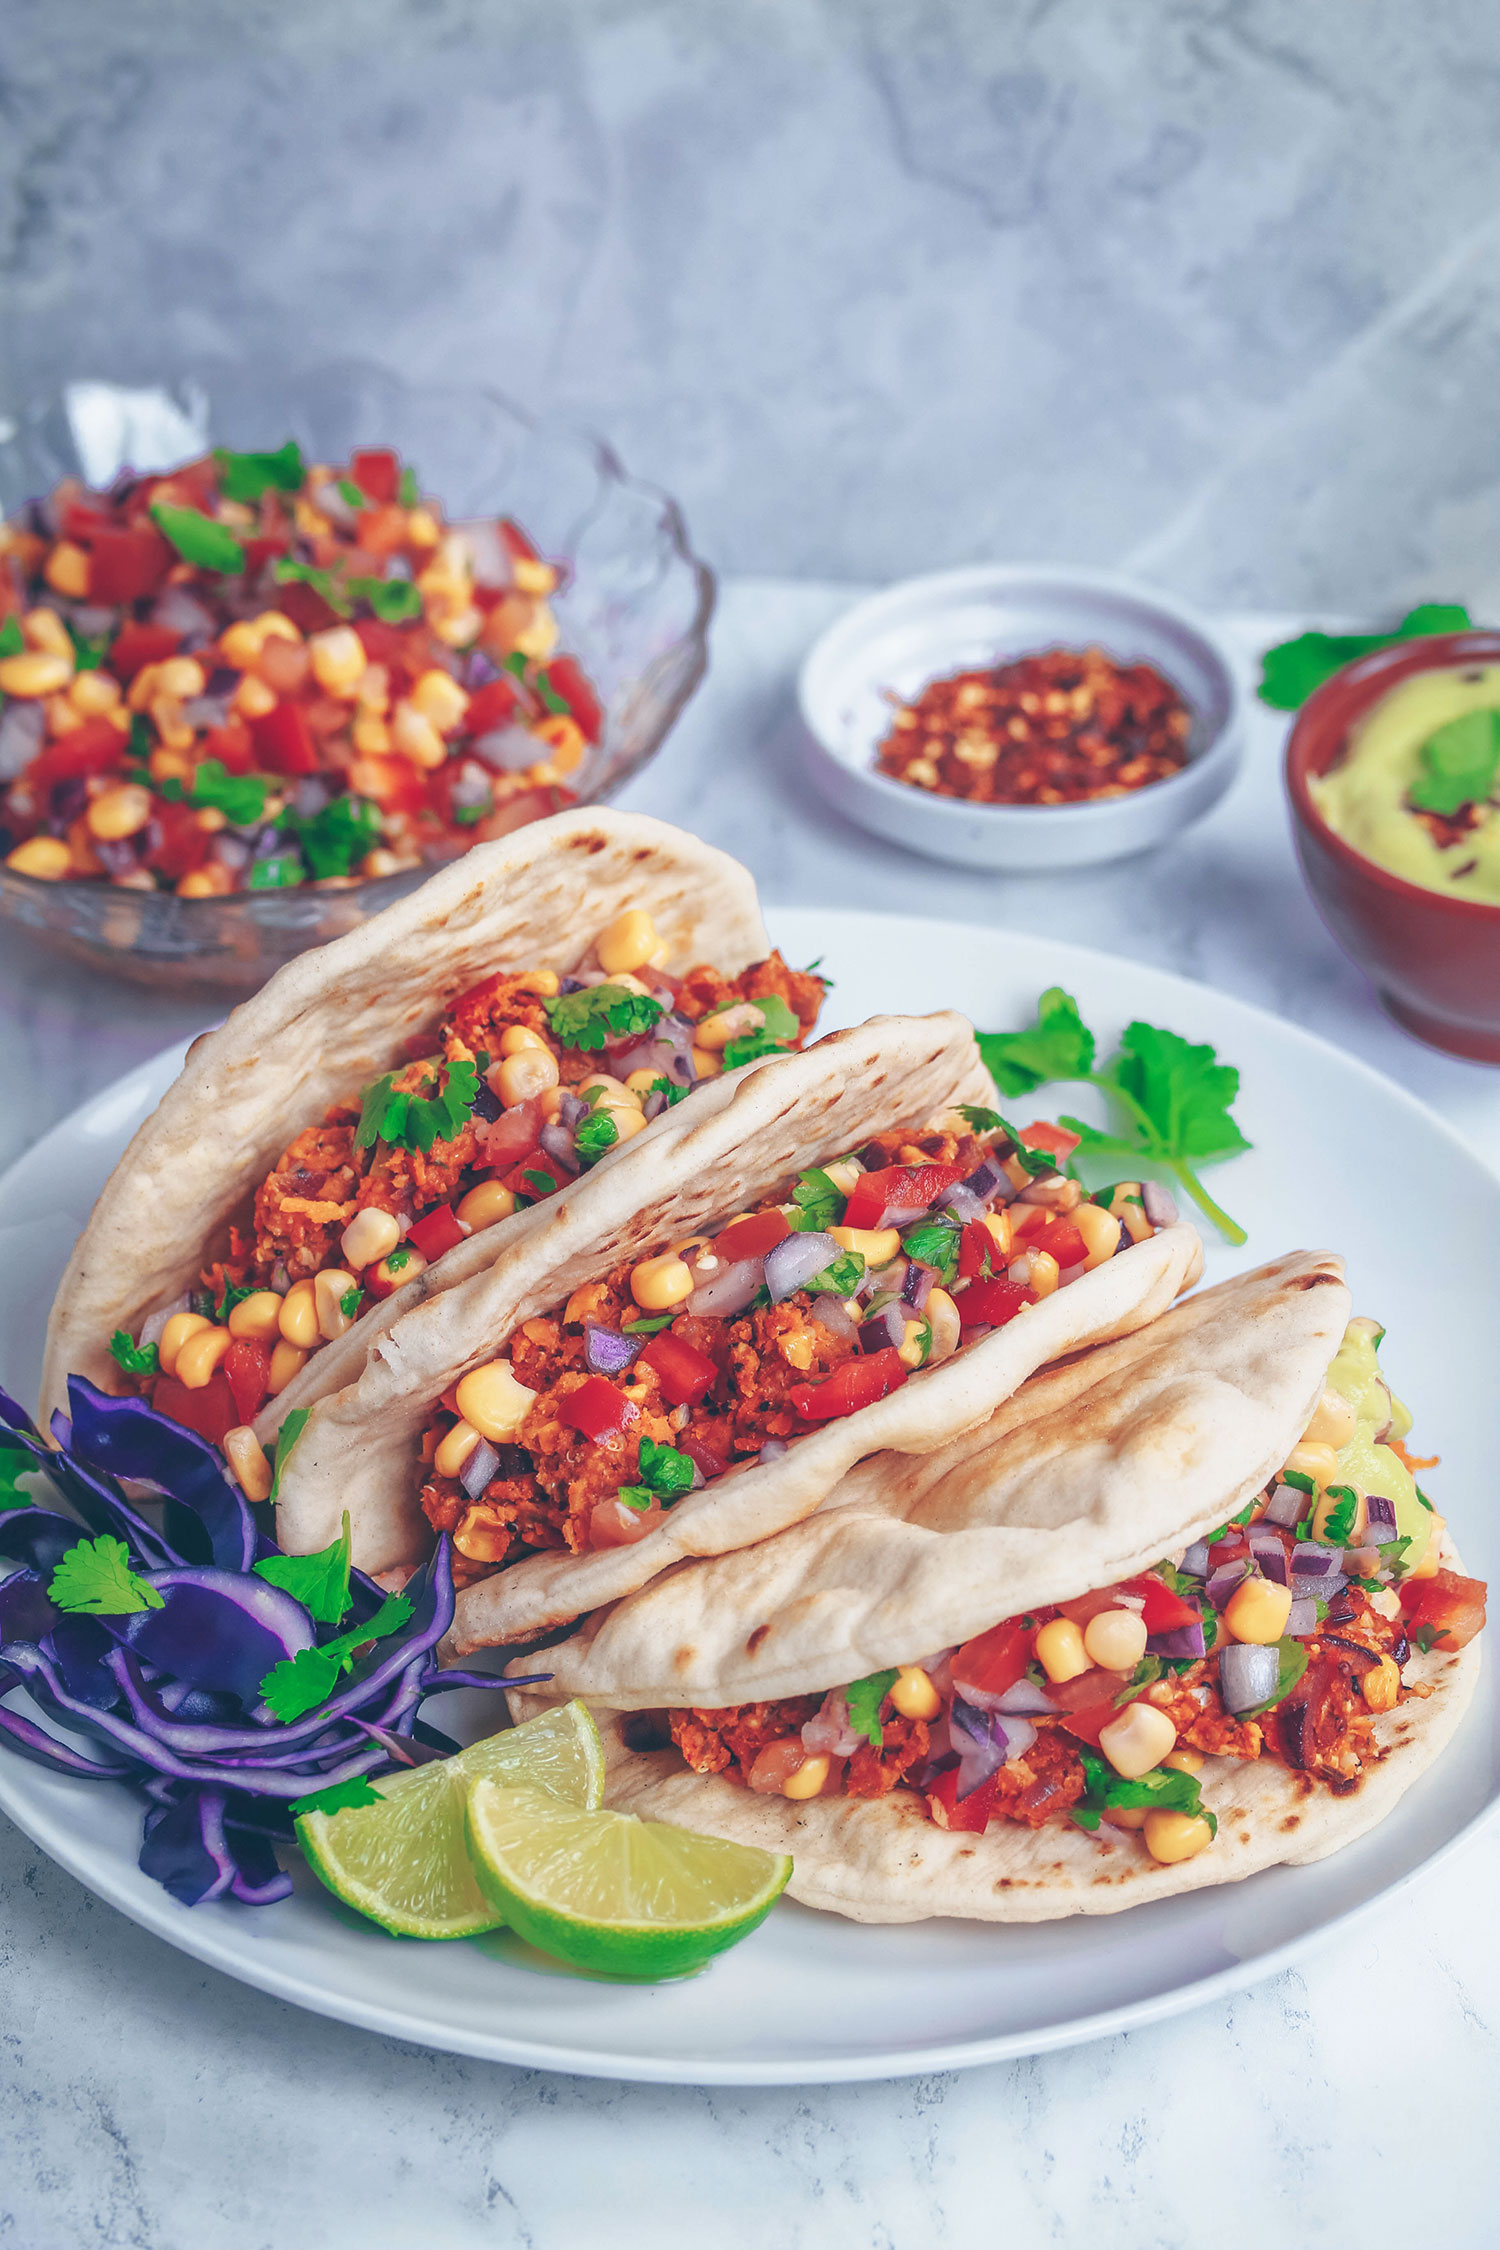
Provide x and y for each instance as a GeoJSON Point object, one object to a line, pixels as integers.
{"type": "Point", "coordinates": [258, 552]}
{"type": "Point", "coordinates": [306, 608]}
{"type": "Point", "coordinates": [512, 1135]}
{"type": "Point", "coordinates": [93, 747]}
{"type": "Point", "coordinates": [126, 565]}
{"type": "Point", "coordinates": [979, 1254]}
{"type": "Point", "coordinates": [964, 1816]}
{"type": "Point", "coordinates": [384, 644]}
{"type": "Point", "coordinates": [614, 1523]}
{"type": "Point", "coordinates": [180, 845]}
{"type": "Point", "coordinates": [82, 521]}
{"type": "Point", "coordinates": [533, 1177]}
{"type": "Point", "coordinates": [231, 745]}
{"type": "Point", "coordinates": [903, 1188]}
{"type": "Point", "coordinates": [247, 1365]}
{"type": "Point", "coordinates": [752, 1238]}
{"type": "Point", "coordinates": [1447, 1606]}
{"type": "Point", "coordinates": [685, 1374]}
{"type": "Point", "coordinates": [1164, 1611]}
{"type": "Point", "coordinates": [490, 707]}
{"type": "Point", "coordinates": [283, 740]}
{"type": "Point", "coordinates": [517, 545]}
{"type": "Point", "coordinates": [438, 1232]}
{"type": "Point", "coordinates": [520, 811]}
{"type": "Point", "coordinates": [1052, 1140]}
{"type": "Point", "coordinates": [708, 1446]}
{"type": "Point", "coordinates": [377, 473]}
{"type": "Point", "coordinates": [136, 646]}
{"type": "Point", "coordinates": [990, 1304]}
{"type": "Point", "coordinates": [858, 1383]}
{"type": "Point", "coordinates": [596, 1409]}
{"type": "Point", "coordinates": [210, 1411]}
{"type": "Point", "coordinates": [566, 678]}
{"type": "Point", "coordinates": [1062, 1241]}
{"type": "Point", "coordinates": [995, 1660]}
{"type": "Point", "coordinates": [1088, 1703]}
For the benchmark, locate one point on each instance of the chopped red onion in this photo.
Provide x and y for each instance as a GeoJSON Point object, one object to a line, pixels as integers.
{"type": "Point", "coordinates": [985, 1741]}
{"type": "Point", "coordinates": [729, 1292]}
{"type": "Point", "coordinates": [479, 1468]}
{"type": "Point", "coordinates": [152, 1326]}
{"type": "Point", "coordinates": [793, 1263]}
{"type": "Point", "coordinates": [178, 611]}
{"type": "Point", "coordinates": [1302, 1618]}
{"type": "Point", "coordinates": [1183, 1640]}
{"type": "Point", "coordinates": [571, 1111]}
{"type": "Point", "coordinates": [1248, 1672]}
{"type": "Point", "coordinates": [1045, 1188]}
{"type": "Point", "coordinates": [1311, 1560]}
{"type": "Point", "coordinates": [1157, 1204]}
{"type": "Point", "coordinates": [1269, 1552]}
{"type": "Point", "coordinates": [887, 1327]}
{"type": "Point", "coordinates": [986, 1184]}
{"type": "Point", "coordinates": [773, 1449]}
{"type": "Point", "coordinates": [23, 726]}
{"type": "Point", "coordinates": [961, 1205]}
{"type": "Point", "coordinates": [557, 1142]}
{"type": "Point", "coordinates": [1287, 1506]}
{"type": "Point", "coordinates": [606, 1351]}
{"type": "Point", "coordinates": [1024, 1700]}
{"type": "Point", "coordinates": [829, 1312]}
{"type": "Point", "coordinates": [917, 1287]}
{"type": "Point", "coordinates": [1195, 1562]}
{"type": "Point", "coordinates": [508, 749]}
{"type": "Point", "coordinates": [1381, 1520]}
{"type": "Point", "coordinates": [1224, 1580]}
{"type": "Point", "coordinates": [828, 1730]}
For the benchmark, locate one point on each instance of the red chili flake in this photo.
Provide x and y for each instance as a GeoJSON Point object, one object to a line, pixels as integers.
{"type": "Point", "coordinates": [1051, 729]}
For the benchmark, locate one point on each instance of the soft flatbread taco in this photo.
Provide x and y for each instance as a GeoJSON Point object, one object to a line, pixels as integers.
{"type": "Point", "coordinates": [835, 1253]}
{"type": "Point", "coordinates": [1178, 1612]}
{"type": "Point", "coordinates": [361, 1133]}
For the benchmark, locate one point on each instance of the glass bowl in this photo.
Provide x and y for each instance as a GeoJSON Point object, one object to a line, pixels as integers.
{"type": "Point", "coordinates": [634, 609]}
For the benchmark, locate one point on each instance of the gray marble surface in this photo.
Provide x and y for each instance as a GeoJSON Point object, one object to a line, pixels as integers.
{"type": "Point", "coordinates": [151, 2103]}
{"type": "Point", "coordinates": [1205, 288]}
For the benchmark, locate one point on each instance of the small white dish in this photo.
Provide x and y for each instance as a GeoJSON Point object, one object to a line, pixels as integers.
{"type": "Point", "coordinates": [955, 620]}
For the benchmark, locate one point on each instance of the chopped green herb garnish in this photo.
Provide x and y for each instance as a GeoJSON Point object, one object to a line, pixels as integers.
{"type": "Point", "coordinates": [240, 797]}
{"type": "Point", "coordinates": [349, 491]}
{"type": "Point", "coordinates": [650, 1327]}
{"type": "Point", "coordinates": [1426, 1638]}
{"type": "Point", "coordinates": [245, 476]}
{"type": "Point", "coordinates": [343, 1796]}
{"type": "Point", "coordinates": [136, 1359]}
{"type": "Point", "coordinates": [934, 1242]}
{"type": "Point", "coordinates": [1293, 1663]}
{"type": "Point", "coordinates": [674, 1093]}
{"type": "Point", "coordinates": [1291, 670]}
{"type": "Point", "coordinates": [289, 571]}
{"type": "Point", "coordinates": [779, 1028]}
{"type": "Point", "coordinates": [286, 1437]}
{"type": "Point", "coordinates": [665, 1475]}
{"type": "Point", "coordinates": [864, 1698]}
{"type": "Point", "coordinates": [95, 1579]}
{"type": "Point", "coordinates": [1338, 1524]}
{"type": "Point", "coordinates": [282, 873]}
{"type": "Point", "coordinates": [332, 840]}
{"type": "Point", "coordinates": [602, 1012]}
{"type": "Point", "coordinates": [418, 1120]}
{"type": "Point", "coordinates": [820, 1202]}
{"type": "Point", "coordinates": [234, 1293]}
{"type": "Point", "coordinates": [398, 1260]}
{"type": "Point", "coordinates": [840, 1279]}
{"type": "Point", "coordinates": [349, 1302]}
{"type": "Point", "coordinates": [393, 600]}
{"type": "Point", "coordinates": [554, 704]}
{"type": "Point", "coordinates": [541, 1183]}
{"type": "Point", "coordinates": [980, 1120]}
{"type": "Point", "coordinates": [15, 1463]}
{"type": "Point", "coordinates": [409, 492]}
{"type": "Point", "coordinates": [1427, 1504]}
{"type": "Point", "coordinates": [12, 639]}
{"type": "Point", "coordinates": [595, 1135]}
{"type": "Point", "coordinates": [1164, 1789]}
{"type": "Point", "coordinates": [88, 655]}
{"type": "Point", "coordinates": [319, 1582]}
{"type": "Point", "coordinates": [198, 539]}
{"type": "Point", "coordinates": [298, 1684]}
{"type": "Point", "coordinates": [1300, 1480]}
{"type": "Point", "coordinates": [1459, 763]}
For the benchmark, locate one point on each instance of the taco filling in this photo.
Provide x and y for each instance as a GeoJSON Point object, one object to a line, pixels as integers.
{"type": "Point", "coordinates": [528, 1081]}
{"type": "Point", "coordinates": [724, 1349]}
{"type": "Point", "coordinates": [1283, 1635]}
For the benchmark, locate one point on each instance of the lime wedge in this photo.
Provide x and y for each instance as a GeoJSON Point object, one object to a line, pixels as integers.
{"type": "Point", "coordinates": [609, 1892]}
{"type": "Point", "coordinates": [403, 1861]}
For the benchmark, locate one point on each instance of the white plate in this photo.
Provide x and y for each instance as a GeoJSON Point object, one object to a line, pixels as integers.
{"type": "Point", "coordinates": [1341, 1159]}
{"type": "Point", "coordinates": [894, 643]}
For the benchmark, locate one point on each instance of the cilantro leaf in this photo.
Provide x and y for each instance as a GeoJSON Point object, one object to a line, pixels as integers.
{"type": "Point", "coordinates": [590, 1018]}
{"type": "Point", "coordinates": [393, 600]}
{"type": "Point", "coordinates": [198, 539]}
{"type": "Point", "coordinates": [398, 1260]}
{"type": "Point", "coordinates": [750, 1046]}
{"type": "Point", "coordinates": [235, 1293]}
{"type": "Point", "coordinates": [245, 476]}
{"type": "Point", "coordinates": [283, 873]}
{"type": "Point", "coordinates": [418, 1120]}
{"type": "Point", "coordinates": [15, 1461]}
{"type": "Point", "coordinates": [1059, 1045]}
{"type": "Point", "coordinates": [12, 639]}
{"type": "Point", "coordinates": [651, 1327]}
{"type": "Point", "coordinates": [319, 1582]}
{"type": "Point", "coordinates": [286, 1437]}
{"type": "Point", "coordinates": [864, 1698]}
{"type": "Point", "coordinates": [665, 1475]}
{"type": "Point", "coordinates": [1300, 1480]}
{"type": "Point", "coordinates": [1292, 669]}
{"type": "Point", "coordinates": [541, 1184]}
{"type": "Point", "coordinates": [95, 1578]}
{"type": "Point", "coordinates": [777, 1029]}
{"type": "Point", "coordinates": [240, 797]}
{"type": "Point", "coordinates": [1459, 764]}
{"type": "Point", "coordinates": [981, 1120]}
{"type": "Point", "coordinates": [674, 1093]}
{"type": "Point", "coordinates": [842, 1277]}
{"type": "Point", "coordinates": [88, 655]}
{"type": "Point", "coordinates": [298, 1684]}
{"type": "Point", "coordinates": [1426, 1638]}
{"type": "Point", "coordinates": [934, 1242]}
{"type": "Point", "coordinates": [289, 572]}
{"type": "Point", "coordinates": [639, 1496]}
{"type": "Point", "coordinates": [1338, 1524]}
{"type": "Point", "coordinates": [332, 840]}
{"type": "Point", "coordinates": [409, 492]}
{"type": "Point", "coordinates": [136, 1359]}
{"type": "Point", "coordinates": [1293, 1663]}
{"type": "Point", "coordinates": [343, 1796]}
{"type": "Point", "coordinates": [349, 491]}
{"type": "Point", "coordinates": [820, 1202]}
{"type": "Point", "coordinates": [595, 1135]}
{"type": "Point", "coordinates": [349, 1302]}
{"type": "Point", "coordinates": [1148, 1670]}
{"type": "Point", "coordinates": [1164, 1789]}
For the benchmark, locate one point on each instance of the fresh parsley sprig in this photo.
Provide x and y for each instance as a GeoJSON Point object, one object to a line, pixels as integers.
{"type": "Point", "coordinates": [94, 1579]}
{"type": "Point", "coordinates": [601, 1012]}
{"type": "Point", "coordinates": [1291, 670]}
{"type": "Point", "coordinates": [1163, 1790]}
{"type": "Point", "coordinates": [319, 1582]}
{"type": "Point", "coordinates": [434, 1112]}
{"type": "Point", "coordinates": [864, 1698]}
{"type": "Point", "coordinates": [1172, 1098]}
{"type": "Point", "coordinates": [298, 1684]}
{"type": "Point", "coordinates": [136, 1359]}
{"type": "Point", "coordinates": [665, 1475]}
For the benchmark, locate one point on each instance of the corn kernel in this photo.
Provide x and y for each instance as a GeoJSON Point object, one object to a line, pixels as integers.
{"type": "Point", "coordinates": [538, 637]}
{"type": "Point", "coordinates": [565, 739]}
{"type": "Point", "coordinates": [876, 1245]}
{"type": "Point", "coordinates": [809, 1778]}
{"type": "Point", "coordinates": [332, 1291]}
{"type": "Point", "coordinates": [493, 1400]}
{"type": "Point", "coordinates": [1432, 1554]}
{"type": "Point", "coordinates": [706, 1063]}
{"type": "Point", "coordinates": [657, 1284]}
{"type": "Point", "coordinates": [1317, 1461]}
{"type": "Point", "coordinates": [422, 527]}
{"type": "Point", "coordinates": [370, 1235]}
{"type": "Point", "coordinates": [246, 1456]}
{"type": "Point", "coordinates": [914, 1695]}
{"type": "Point", "coordinates": [178, 1329]}
{"type": "Point", "coordinates": [253, 699]}
{"type": "Point", "coordinates": [298, 1318]}
{"type": "Point", "coordinates": [257, 1317]}
{"type": "Point", "coordinates": [628, 944]}
{"type": "Point", "coordinates": [946, 1323]}
{"type": "Point", "coordinates": [1116, 1638]}
{"type": "Point", "coordinates": [287, 1360]}
{"type": "Point", "coordinates": [1060, 1650]}
{"type": "Point", "coordinates": [200, 1354]}
{"type": "Point", "coordinates": [517, 1036]}
{"type": "Point", "coordinates": [206, 882]}
{"type": "Point", "coordinates": [529, 575]}
{"type": "Point", "coordinates": [521, 1077]}
{"type": "Point", "coordinates": [67, 571]}
{"type": "Point", "coordinates": [456, 628]}
{"type": "Point", "coordinates": [1257, 1610]}
{"type": "Point", "coordinates": [485, 1205]}
{"type": "Point", "coordinates": [181, 677]}
{"type": "Point", "coordinates": [45, 857]}
{"type": "Point", "coordinates": [454, 1449]}
{"type": "Point", "coordinates": [118, 813]}
{"type": "Point", "coordinates": [1138, 1740]}
{"type": "Point", "coordinates": [338, 661]}
{"type": "Point", "coordinates": [1333, 1422]}
{"type": "Point", "coordinates": [1184, 1761]}
{"type": "Point", "coordinates": [94, 692]}
{"type": "Point", "coordinates": [35, 673]}
{"type": "Point", "coordinates": [1171, 1836]}
{"type": "Point", "coordinates": [716, 1031]}
{"type": "Point", "coordinates": [1381, 1685]}
{"type": "Point", "coordinates": [440, 699]}
{"type": "Point", "coordinates": [1101, 1233]}
{"type": "Point", "coordinates": [415, 737]}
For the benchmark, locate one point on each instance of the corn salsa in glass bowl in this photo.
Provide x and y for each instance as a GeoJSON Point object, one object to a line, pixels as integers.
{"type": "Point", "coordinates": [251, 696]}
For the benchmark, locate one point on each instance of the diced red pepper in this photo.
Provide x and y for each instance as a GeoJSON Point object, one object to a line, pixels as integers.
{"type": "Point", "coordinates": [491, 706]}
{"type": "Point", "coordinates": [1164, 1611]}
{"type": "Point", "coordinates": [858, 1383]}
{"type": "Point", "coordinates": [82, 521]}
{"type": "Point", "coordinates": [752, 1238]}
{"type": "Point", "coordinates": [995, 1660]}
{"type": "Point", "coordinates": [980, 1256]}
{"type": "Point", "coordinates": [596, 1409]}
{"type": "Point", "coordinates": [511, 1136]}
{"type": "Point", "coordinates": [1062, 1241]}
{"type": "Point", "coordinates": [179, 844]}
{"type": "Point", "coordinates": [210, 1411]}
{"type": "Point", "coordinates": [709, 1446]}
{"type": "Point", "coordinates": [385, 644]}
{"type": "Point", "coordinates": [566, 678]}
{"type": "Point", "coordinates": [126, 565]}
{"type": "Point", "coordinates": [685, 1374]}
{"type": "Point", "coordinates": [438, 1232]}
{"type": "Point", "coordinates": [990, 1304]}
{"type": "Point", "coordinates": [247, 1365]}
{"type": "Point", "coordinates": [1087, 1703]}
{"type": "Point", "coordinates": [377, 473]}
{"type": "Point", "coordinates": [283, 740]}
{"type": "Point", "coordinates": [905, 1188]}
{"type": "Point", "coordinates": [136, 646]}
{"type": "Point", "coordinates": [1052, 1140]}
{"type": "Point", "coordinates": [1448, 1606]}
{"type": "Point", "coordinates": [231, 745]}
{"type": "Point", "coordinates": [517, 545]}
{"type": "Point", "coordinates": [93, 747]}
{"type": "Point", "coordinates": [306, 608]}
{"type": "Point", "coordinates": [965, 1816]}
{"type": "Point", "coordinates": [532, 1177]}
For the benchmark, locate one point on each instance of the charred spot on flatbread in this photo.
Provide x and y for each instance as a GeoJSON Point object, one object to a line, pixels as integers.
{"type": "Point", "coordinates": [754, 1640]}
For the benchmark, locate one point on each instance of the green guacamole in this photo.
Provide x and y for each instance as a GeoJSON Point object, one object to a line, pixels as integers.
{"type": "Point", "coordinates": [1366, 1463]}
{"type": "Point", "coordinates": [1364, 798]}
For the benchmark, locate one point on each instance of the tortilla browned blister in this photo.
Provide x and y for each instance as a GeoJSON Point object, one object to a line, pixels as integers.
{"type": "Point", "coordinates": [1093, 1472]}
{"type": "Point", "coordinates": [336, 1018]}
{"type": "Point", "coordinates": [740, 1142]}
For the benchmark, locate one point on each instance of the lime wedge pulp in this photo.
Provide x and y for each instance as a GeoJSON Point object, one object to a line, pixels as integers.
{"type": "Point", "coordinates": [608, 1892]}
{"type": "Point", "coordinates": [403, 1862]}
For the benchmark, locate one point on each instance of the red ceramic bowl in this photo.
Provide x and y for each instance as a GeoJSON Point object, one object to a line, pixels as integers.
{"type": "Point", "coordinates": [1434, 960]}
